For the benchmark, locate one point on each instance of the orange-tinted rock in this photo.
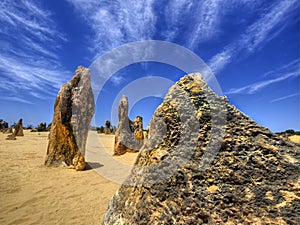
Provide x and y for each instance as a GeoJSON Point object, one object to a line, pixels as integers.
{"type": "Point", "coordinates": [73, 111]}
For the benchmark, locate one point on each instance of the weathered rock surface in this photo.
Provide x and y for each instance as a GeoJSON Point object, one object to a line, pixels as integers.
{"type": "Point", "coordinates": [206, 162]}
{"type": "Point", "coordinates": [73, 111]}
{"type": "Point", "coordinates": [129, 134]}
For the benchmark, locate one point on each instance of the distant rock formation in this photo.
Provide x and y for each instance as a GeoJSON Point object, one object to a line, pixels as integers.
{"type": "Point", "coordinates": [42, 127]}
{"type": "Point", "coordinates": [137, 128]}
{"type": "Point", "coordinates": [107, 127]}
{"type": "Point", "coordinates": [73, 111]}
{"type": "Point", "coordinates": [8, 130]}
{"type": "Point", "coordinates": [19, 128]}
{"type": "Point", "coordinates": [18, 131]}
{"type": "Point", "coordinates": [211, 164]}
{"type": "Point", "coordinates": [3, 125]}
{"type": "Point", "coordinates": [129, 134]}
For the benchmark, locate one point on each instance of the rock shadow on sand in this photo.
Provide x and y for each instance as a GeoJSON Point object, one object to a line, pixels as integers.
{"type": "Point", "coordinates": [93, 165]}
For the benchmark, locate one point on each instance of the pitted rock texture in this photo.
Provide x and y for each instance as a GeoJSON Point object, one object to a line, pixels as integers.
{"type": "Point", "coordinates": [73, 111]}
{"type": "Point", "coordinates": [205, 162]}
{"type": "Point", "coordinates": [129, 135]}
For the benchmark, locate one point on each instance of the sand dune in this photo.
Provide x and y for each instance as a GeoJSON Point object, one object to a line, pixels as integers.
{"type": "Point", "coordinates": [34, 194]}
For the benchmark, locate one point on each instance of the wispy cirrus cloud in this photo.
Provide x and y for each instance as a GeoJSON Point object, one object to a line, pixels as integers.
{"type": "Point", "coordinates": [117, 22]}
{"type": "Point", "coordinates": [203, 17]}
{"type": "Point", "coordinates": [286, 72]}
{"type": "Point", "coordinates": [284, 97]}
{"type": "Point", "coordinates": [252, 88]}
{"type": "Point", "coordinates": [16, 99]}
{"type": "Point", "coordinates": [267, 27]}
{"type": "Point", "coordinates": [29, 60]}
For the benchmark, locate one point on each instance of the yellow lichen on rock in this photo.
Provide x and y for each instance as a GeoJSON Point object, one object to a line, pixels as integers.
{"type": "Point", "coordinates": [139, 135]}
{"type": "Point", "coordinates": [289, 196]}
{"type": "Point", "coordinates": [212, 189]}
{"type": "Point", "coordinates": [267, 146]}
{"type": "Point", "coordinates": [269, 195]}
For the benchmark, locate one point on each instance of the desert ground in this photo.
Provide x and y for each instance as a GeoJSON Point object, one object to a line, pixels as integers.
{"type": "Point", "coordinates": [31, 193]}
{"type": "Point", "coordinates": [295, 138]}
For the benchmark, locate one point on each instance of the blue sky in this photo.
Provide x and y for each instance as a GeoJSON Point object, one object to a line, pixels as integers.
{"type": "Point", "coordinates": [252, 46]}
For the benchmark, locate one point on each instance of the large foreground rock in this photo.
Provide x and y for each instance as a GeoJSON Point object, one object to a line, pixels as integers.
{"type": "Point", "coordinates": [73, 111]}
{"type": "Point", "coordinates": [129, 135]}
{"type": "Point", "coordinates": [206, 162]}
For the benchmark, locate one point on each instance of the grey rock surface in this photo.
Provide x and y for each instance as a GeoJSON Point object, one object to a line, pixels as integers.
{"type": "Point", "coordinates": [205, 162]}
{"type": "Point", "coordinates": [73, 110]}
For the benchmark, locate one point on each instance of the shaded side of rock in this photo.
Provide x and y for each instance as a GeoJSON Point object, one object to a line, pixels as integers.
{"type": "Point", "coordinates": [180, 178]}
{"type": "Point", "coordinates": [73, 111]}
{"type": "Point", "coordinates": [129, 134]}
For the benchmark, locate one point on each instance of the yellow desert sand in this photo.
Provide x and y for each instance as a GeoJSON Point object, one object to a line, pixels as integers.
{"type": "Point", "coordinates": [31, 193]}
{"type": "Point", "coordinates": [295, 138]}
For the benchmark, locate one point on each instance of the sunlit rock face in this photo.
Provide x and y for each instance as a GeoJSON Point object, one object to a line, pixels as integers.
{"type": "Point", "coordinates": [73, 111]}
{"type": "Point", "coordinates": [206, 162]}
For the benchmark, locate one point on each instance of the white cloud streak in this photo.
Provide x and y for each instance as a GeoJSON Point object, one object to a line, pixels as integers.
{"type": "Point", "coordinates": [253, 88]}
{"type": "Point", "coordinates": [206, 22]}
{"type": "Point", "coordinates": [15, 99]}
{"type": "Point", "coordinates": [220, 60]}
{"type": "Point", "coordinates": [282, 74]}
{"type": "Point", "coordinates": [284, 97]}
{"type": "Point", "coordinates": [29, 61]}
{"type": "Point", "coordinates": [117, 22]}
{"type": "Point", "coordinates": [261, 31]}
